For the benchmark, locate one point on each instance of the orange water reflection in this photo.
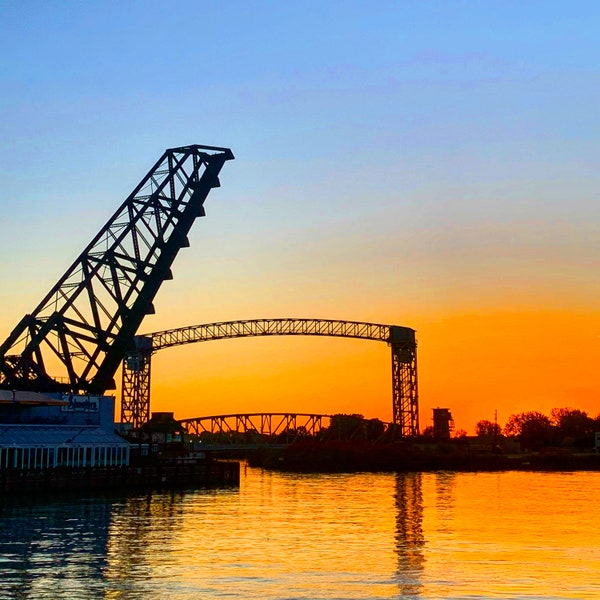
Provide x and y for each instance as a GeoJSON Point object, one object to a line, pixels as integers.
{"type": "Point", "coordinates": [438, 535]}
{"type": "Point", "coordinates": [410, 540]}
{"type": "Point", "coordinates": [512, 535]}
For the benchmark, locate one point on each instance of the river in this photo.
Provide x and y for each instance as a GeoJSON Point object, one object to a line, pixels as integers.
{"type": "Point", "coordinates": [286, 536]}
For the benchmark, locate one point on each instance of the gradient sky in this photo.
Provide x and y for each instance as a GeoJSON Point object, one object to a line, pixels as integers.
{"type": "Point", "coordinates": [426, 164]}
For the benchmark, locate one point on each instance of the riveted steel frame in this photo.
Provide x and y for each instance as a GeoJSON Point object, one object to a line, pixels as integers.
{"type": "Point", "coordinates": [262, 327]}
{"type": "Point", "coordinates": [85, 325]}
{"type": "Point", "coordinates": [401, 339]}
{"type": "Point", "coordinates": [265, 424]}
{"type": "Point", "coordinates": [135, 402]}
{"type": "Point", "coordinates": [404, 389]}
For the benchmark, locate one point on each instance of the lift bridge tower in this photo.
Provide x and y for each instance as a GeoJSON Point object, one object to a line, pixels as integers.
{"type": "Point", "coordinates": [75, 339]}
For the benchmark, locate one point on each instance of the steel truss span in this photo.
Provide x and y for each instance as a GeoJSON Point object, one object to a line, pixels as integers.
{"type": "Point", "coordinates": [135, 404]}
{"type": "Point", "coordinates": [85, 325]}
{"type": "Point", "coordinates": [285, 425]}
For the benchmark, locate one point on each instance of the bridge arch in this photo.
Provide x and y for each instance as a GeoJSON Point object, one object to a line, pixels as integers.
{"type": "Point", "coordinates": [135, 400]}
{"type": "Point", "coordinates": [264, 424]}
{"type": "Point", "coordinates": [251, 430]}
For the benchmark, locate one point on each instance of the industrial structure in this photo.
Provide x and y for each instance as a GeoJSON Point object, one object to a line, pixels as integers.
{"type": "Point", "coordinates": [270, 425]}
{"type": "Point", "coordinates": [60, 360]}
{"type": "Point", "coordinates": [84, 326]}
{"type": "Point", "coordinates": [443, 423]}
{"type": "Point", "coordinates": [135, 401]}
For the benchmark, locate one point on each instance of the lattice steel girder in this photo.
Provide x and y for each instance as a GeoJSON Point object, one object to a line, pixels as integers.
{"type": "Point", "coordinates": [135, 403]}
{"type": "Point", "coordinates": [85, 325]}
{"type": "Point", "coordinates": [260, 327]}
{"type": "Point", "coordinates": [135, 383]}
{"type": "Point", "coordinates": [404, 381]}
{"type": "Point", "coordinates": [268, 424]}
{"type": "Point", "coordinates": [402, 340]}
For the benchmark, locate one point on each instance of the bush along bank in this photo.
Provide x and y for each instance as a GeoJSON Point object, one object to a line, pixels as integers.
{"type": "Point", "coordinates": [408, 456]}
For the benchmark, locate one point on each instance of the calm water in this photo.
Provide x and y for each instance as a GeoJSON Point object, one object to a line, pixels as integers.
{"type": "Point", "coordinates": [444, 535]}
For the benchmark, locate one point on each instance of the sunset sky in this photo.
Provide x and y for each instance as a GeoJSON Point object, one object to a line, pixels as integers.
{"type": "Point", "coordinates": [430, 164]}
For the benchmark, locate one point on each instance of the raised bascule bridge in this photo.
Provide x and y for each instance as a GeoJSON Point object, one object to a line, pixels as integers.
{"type": "Point", "coordinates": [73, 343]}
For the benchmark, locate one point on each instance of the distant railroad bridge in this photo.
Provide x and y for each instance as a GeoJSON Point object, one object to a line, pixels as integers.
{"type": "Point", "coordinates": [285, 427]}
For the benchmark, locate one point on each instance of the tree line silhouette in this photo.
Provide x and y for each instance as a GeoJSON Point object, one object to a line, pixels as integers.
{"type": "Point", "coordinates": [567, 427]}
{"type": "Point", "coordinates": [564, 427]}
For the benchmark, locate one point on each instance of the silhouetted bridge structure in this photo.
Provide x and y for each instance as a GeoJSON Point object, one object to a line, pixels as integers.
{"type": "Point", "coordinates": [248, 431]}
{"type": "Point", "coordinates": [284, 426]}
{"type": "Point", "coordinates": [135, 403]}
{"type": "Point", "coordinates": [86, 325]}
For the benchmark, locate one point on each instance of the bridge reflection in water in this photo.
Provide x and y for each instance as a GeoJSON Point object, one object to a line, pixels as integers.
{"type": "Point", "coordinates": [410, 539]}
{"type": "Point", "coordinates": [282, 535]}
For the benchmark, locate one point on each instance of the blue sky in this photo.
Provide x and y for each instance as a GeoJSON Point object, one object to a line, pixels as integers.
{"type": "Point", "coordinates": [395, 161]}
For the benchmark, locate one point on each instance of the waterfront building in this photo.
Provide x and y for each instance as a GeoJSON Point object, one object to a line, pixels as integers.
{"type": "Point", "coordinates": [58, 431]}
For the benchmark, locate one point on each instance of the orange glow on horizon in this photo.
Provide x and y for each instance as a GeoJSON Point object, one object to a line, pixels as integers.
{"type": "Point", "coordinates": [473, 364]}
{"type": "Point", "coordinates": [510, 362]}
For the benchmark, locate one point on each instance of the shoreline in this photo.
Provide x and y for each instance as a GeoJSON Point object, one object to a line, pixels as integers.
{"type": "Point", "coordinates": [410, 457]}
{"type": "Point", "coordinates": [157, 475]}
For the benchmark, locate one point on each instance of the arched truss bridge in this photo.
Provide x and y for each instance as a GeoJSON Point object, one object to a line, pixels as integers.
{"type": "Point", "coordinates": [135, 402]}
{"type": "Point", "coordinates": [259, 429]}
{"type": "Point", "coordinates": [284, 426]}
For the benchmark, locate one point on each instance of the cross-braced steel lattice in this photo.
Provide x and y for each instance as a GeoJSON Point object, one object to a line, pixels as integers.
{"type": "Point", "coordinates": [404, 380]}
{"type": "Point", "coordinates": [135, 397]}
{"type": "Point", "coordinates": [283, 425]}
{"type": "Point", "coordinates": [77, 336]}
{"type": "Point", "coordinates": [135, 404]}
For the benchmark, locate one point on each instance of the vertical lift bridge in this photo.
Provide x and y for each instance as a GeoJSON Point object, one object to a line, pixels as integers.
{"type": "Point", "coordinates": [135, 399]}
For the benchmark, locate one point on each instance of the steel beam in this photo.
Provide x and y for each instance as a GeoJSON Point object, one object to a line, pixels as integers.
{"type": "Point", "coordinates": [135, 386]}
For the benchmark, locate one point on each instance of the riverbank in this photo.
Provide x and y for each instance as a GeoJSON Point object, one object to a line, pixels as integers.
{"type": "Point", "coordinates": [408, 456]}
